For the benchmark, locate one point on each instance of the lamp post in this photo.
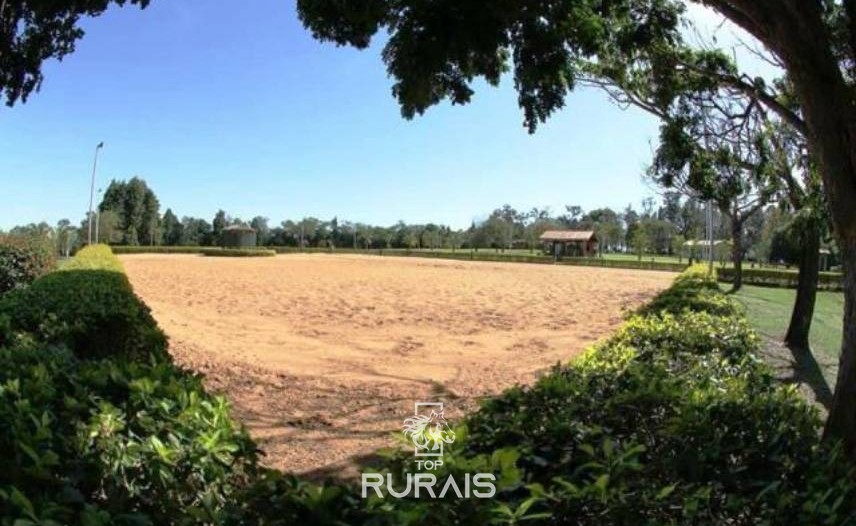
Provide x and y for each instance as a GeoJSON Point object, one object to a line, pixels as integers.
{"type": "Point", "coordinates": [710, 238]}
{"type": "Point", "coordinates": [92, 191]}
{"type": "Point", "coordinates": [98, 218]}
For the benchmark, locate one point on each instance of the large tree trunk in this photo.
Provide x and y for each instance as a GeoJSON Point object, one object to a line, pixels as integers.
{"type": "Point", "coordinates": [795, 31]}
{"type": "Point", "coordinates": [800, 326]}
{"type": "Point", "coordinates": [831, 118]}
{"type": "Point", "coordinates": [842, 415]}
{"type": "Point", "coordinates": [737, 252]}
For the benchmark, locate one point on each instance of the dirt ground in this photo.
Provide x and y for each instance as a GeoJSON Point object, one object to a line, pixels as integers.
{"type": "Point", "coordinates": [323, 356]}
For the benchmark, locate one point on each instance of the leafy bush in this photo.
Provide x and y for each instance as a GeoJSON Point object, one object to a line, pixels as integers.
{"type": "Point", "coordinates": [94, 257]}
{"type": "Point", "coordinates": [93, 312]}
{"type": "Point", "coordinates": [113, 442]}
{"type": "Point", "coordinates": [23, 259]}
{"type": "Point", "coordinates": [278, 499]}
{"type": "Point", "coordinates": [88, 306]}
{"type": "Point", "coordinates": [99, 427]}
{"type": "Point", "coordinates": [693, 290]}
{"type": "Point", "coordinates": [673, 420]}
{"type": "Point", "coordinates": [160, 444]}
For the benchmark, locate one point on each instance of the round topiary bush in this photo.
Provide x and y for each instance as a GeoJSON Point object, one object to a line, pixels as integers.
{"type": "Point", "coordinates": [23, 259]}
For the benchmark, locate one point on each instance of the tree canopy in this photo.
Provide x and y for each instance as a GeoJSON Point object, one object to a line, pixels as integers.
{"type": "Point", "coordinates": [33, 31]}
{"type": "Point", "coordinates": [436, 50]}
{"type": "Point", "coordinates": [137, 208]}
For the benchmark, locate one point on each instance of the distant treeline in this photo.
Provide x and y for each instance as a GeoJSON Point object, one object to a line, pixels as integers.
{"type": "Point", "coordinates": [129, 214]}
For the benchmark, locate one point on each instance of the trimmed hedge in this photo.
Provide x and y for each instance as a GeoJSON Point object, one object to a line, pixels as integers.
{"type": "Point", "coordinates": [89, 307]}
{"type": "Point", "coordinates": [98, 426]}
{"type": "Point", "coordinates": [205, 251]}
{"type": "Point", "coordinates": [128, 249]}
{"type": "Point", "coordinates": [467, 255]}
{"type": "Point", "coordinates": [240, 253]}
{"type": "Point", "coordinates": [23, 259]}
{"type": "Point", "coordinates": [94, 257]}
{"type": "Point", "coordinates": [768, 277]}
{"type": "Point", "coordinates": [628, 264]}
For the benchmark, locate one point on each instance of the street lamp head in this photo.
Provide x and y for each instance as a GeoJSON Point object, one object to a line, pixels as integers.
{"type": "Point", "coordinates": [100, 145]}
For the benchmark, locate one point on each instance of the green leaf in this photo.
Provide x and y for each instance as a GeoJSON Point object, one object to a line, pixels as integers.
{"type": "Point", "coordinates": [666, 491]}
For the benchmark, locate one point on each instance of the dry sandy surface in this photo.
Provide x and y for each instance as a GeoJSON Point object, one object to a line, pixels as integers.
{"type": "Point", "coordinates": [323, 356]}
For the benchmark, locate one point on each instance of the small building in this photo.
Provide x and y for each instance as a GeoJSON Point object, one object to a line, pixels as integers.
{"type": "Point", "coordinates": [239, 236]}
{"type": "Point", "coordinates": [572, 243]}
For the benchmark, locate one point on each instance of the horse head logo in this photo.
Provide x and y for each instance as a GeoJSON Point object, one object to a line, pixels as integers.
{"type": "Point", "coordinates": [429, 432]}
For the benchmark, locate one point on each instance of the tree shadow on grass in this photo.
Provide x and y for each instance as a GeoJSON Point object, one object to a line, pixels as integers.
{"type": "Point", "coordinates": [800, 366]}
{"type": "Point", "coordinates": [808, 371]}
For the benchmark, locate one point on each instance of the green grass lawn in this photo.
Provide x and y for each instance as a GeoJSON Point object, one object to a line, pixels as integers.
{"type": "Point", "coordinates": [769, 311]}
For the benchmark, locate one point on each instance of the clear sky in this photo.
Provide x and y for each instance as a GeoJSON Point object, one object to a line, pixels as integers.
{"type": "Point", "coordinates": [231, 105]}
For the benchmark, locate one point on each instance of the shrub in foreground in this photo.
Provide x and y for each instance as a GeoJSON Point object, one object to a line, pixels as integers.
{"type": "Point", "coordinates": [672, 420]}
{"type": "Point", "coordinates": [23, 259]}
{"type": "Point", "coordinates": [99, 427]}
{"type": "Point", "coordinates": [113, 442]}
{"type": "Point", "coordinates": [92, 312]}
{"type": "Point", "coordinates": [88, 306]}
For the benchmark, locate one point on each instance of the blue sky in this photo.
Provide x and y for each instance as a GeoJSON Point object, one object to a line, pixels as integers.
{"type": "Point", "coordinates": [217, 106]}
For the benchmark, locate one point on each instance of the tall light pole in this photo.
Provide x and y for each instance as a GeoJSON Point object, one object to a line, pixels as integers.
{"type": "Point", "coordinates": [709, 201]}
{"type": "Point", "coordinates": [710, 237]}
{"type": "Point", "coordinates": [92, 190]}
{"type": "Point", "coordinates": [97, 219]}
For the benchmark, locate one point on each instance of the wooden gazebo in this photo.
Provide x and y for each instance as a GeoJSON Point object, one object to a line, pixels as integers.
{"type": "Point", "coordinates": [572, 243]}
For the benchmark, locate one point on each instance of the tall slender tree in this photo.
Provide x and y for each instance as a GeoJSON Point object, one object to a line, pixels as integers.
{"type": "Point", "coordinates": [136, 206]}
{"type": "Point", "coordinates": [172, 228]}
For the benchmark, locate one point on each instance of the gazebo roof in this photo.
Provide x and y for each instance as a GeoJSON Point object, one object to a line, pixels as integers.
{"type": "Point", "coordinates": [568, 235]}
